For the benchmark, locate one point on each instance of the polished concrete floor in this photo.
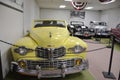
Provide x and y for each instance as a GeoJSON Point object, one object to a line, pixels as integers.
{"type": "Point", "coordinates": [99, 59]}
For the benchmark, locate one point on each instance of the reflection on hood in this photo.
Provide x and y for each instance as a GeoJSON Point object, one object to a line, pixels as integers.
{"type": "Point", "coordinates": [54, 36]}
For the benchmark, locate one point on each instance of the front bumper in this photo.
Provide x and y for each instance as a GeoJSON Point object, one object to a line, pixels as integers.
{"type": "Point", "coordinates": [84, 34]}
{"type": "Point", "coordinates": [52, 72]}
{"type": "Point", "coordinates": [102, 35]}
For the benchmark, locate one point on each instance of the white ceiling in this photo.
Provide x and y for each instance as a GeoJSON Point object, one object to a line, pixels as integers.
{"type": "Point", "coordinates": [54, 4]}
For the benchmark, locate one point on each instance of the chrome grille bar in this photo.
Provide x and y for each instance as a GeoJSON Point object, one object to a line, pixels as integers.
{"type": "Point", "coordinates": [46, 64]}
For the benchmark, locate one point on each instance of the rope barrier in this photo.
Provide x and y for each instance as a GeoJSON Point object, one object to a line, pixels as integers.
{"type": "Point", "coordinates": [35, 50]}
{"type": "Point", "coordinates": [96, 49]}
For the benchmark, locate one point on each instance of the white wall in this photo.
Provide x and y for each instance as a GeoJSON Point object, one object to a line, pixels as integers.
{"type": "Point", "coordinates": [65, 15]}
{"type": "Point", "coordinates": [31, 12]}
{"type": "Point", "coordinates": [11, 29]}
{"type": "Point", "coordinates": [111, 16]}
{"type": "Point", "coordinates": [13, 25]}
{"type": "Point", "coordinates": [92, 16]}
{"type": "Point", "coordinates": [55, 14]}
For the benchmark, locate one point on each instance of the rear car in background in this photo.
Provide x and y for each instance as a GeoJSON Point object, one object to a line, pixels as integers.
{"type": "Point", "coordinates": [49, 51]}
{"type": "Point", "coordinates": [100, 28]}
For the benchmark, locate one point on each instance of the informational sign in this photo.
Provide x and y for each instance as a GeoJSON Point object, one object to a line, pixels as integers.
{"type": "Point", "coordinates": [79, 14]}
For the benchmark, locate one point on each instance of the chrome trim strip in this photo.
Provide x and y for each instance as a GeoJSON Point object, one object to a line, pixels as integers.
{"type": "Point", "coordinates": [55, 73]}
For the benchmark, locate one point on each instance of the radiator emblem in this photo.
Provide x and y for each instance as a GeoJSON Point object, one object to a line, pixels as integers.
{"type": "Point", "coordinates": [50, 34]}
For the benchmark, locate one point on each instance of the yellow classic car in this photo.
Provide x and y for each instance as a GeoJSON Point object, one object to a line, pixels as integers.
{"type": "Point", "coordinates": [49, 51]}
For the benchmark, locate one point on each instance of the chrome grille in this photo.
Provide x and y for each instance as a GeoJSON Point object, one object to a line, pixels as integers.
{"type": "Point", "coordinates": [47, 64]}
{"type": "Point", "coordinates": [50, 52]}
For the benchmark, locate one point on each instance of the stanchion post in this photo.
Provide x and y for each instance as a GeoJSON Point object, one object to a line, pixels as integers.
{"type": "Point", "coordinates": [1, 74]}
{"type": "Point", "coordinates": [119, 76]}
{"type": "Point", "coordinates": [109, 74]}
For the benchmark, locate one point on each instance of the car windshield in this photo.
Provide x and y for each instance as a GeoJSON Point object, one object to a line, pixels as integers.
{"type": "Point", "coordinates": [49, 23]}
{"type": "Point", "coordinates": [77, 23]}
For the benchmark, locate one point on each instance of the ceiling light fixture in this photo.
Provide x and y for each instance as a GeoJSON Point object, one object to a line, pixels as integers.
{"type": "Point", "coordinates": [89, 8]}
{"type": "Point", "coordinates": [62, 6]}
{"type": "Point", "coordinates": [68, 0]}
{"type": "Point", "coordinates": [106, 1]}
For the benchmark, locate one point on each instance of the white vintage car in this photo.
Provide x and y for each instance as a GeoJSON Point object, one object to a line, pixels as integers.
{"type": "Point", "coordinates": [100, 28]}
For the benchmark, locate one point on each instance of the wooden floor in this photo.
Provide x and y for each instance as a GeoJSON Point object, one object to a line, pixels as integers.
{"type": "Point", "coordinates": [99, 60]}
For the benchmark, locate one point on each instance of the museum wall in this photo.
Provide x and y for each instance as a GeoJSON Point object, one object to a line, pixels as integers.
{"type": "Point", "coordinates": [65, 15]}
{"type": "Point", "coordinates": [13, 25]}
{"type": "Point", "coordinates": [91, 16]}
{"type": "Point", "coordinates": [111, 16]}
{"type": "Point", "coordinates": [55, 14]}
{"type": "Point", "coordinates": [31, 11]}
{"type": "Point", "coordinates": [11, 29]}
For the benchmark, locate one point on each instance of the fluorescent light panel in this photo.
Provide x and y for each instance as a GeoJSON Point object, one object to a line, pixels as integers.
{"type": "Point", "coordinates": [62, 6]}
{"type": "Point", "coordinates": [89, 8]}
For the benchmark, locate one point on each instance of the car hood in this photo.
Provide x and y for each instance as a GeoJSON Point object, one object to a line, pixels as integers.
{"type": "Point", "coordinates": [49, 36]}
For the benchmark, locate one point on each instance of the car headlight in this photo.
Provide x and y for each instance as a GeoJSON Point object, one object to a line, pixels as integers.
{"type": "Point", "coordinates": [92, 30]}
{"type": "Point", "coordinates": [78, 62]}
{"type": "Point", "coordinates": [21, 50]}
{"type": "Point", "coordinates": [77, 49]}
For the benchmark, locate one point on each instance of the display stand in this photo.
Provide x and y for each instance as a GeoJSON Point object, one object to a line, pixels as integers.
{"type": "Point", "coordinates": [1, 74]}
{"type": "Point", "coordinates": [109, 74]}
{"type": "Point", "coordinates": [109, 44]}
{"type": "Point", "coordinates": [98, 39]}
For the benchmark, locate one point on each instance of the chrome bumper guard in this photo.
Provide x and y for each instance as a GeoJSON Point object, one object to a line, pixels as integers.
{"type": "Point", "coordinates": [51, 73]}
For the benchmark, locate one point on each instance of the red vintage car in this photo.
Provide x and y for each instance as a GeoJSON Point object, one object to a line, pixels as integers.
{"type": "Point", "coordinates": [116, 33]}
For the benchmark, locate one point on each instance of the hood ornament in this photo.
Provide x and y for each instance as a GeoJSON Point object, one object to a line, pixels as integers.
{"type": "Point", "coordinates": [50, 34]}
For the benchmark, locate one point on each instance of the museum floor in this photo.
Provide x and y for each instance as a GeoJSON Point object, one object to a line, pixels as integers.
{"type": "Point", "coordinates": [98, 57]}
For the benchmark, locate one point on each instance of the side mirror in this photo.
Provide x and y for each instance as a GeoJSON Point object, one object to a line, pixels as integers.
{"type": "Point", "coordinates": [27, 32]}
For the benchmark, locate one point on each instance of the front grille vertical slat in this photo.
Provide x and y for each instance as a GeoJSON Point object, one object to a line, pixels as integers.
{"type": "Point", "coordinates": [50, 52]}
